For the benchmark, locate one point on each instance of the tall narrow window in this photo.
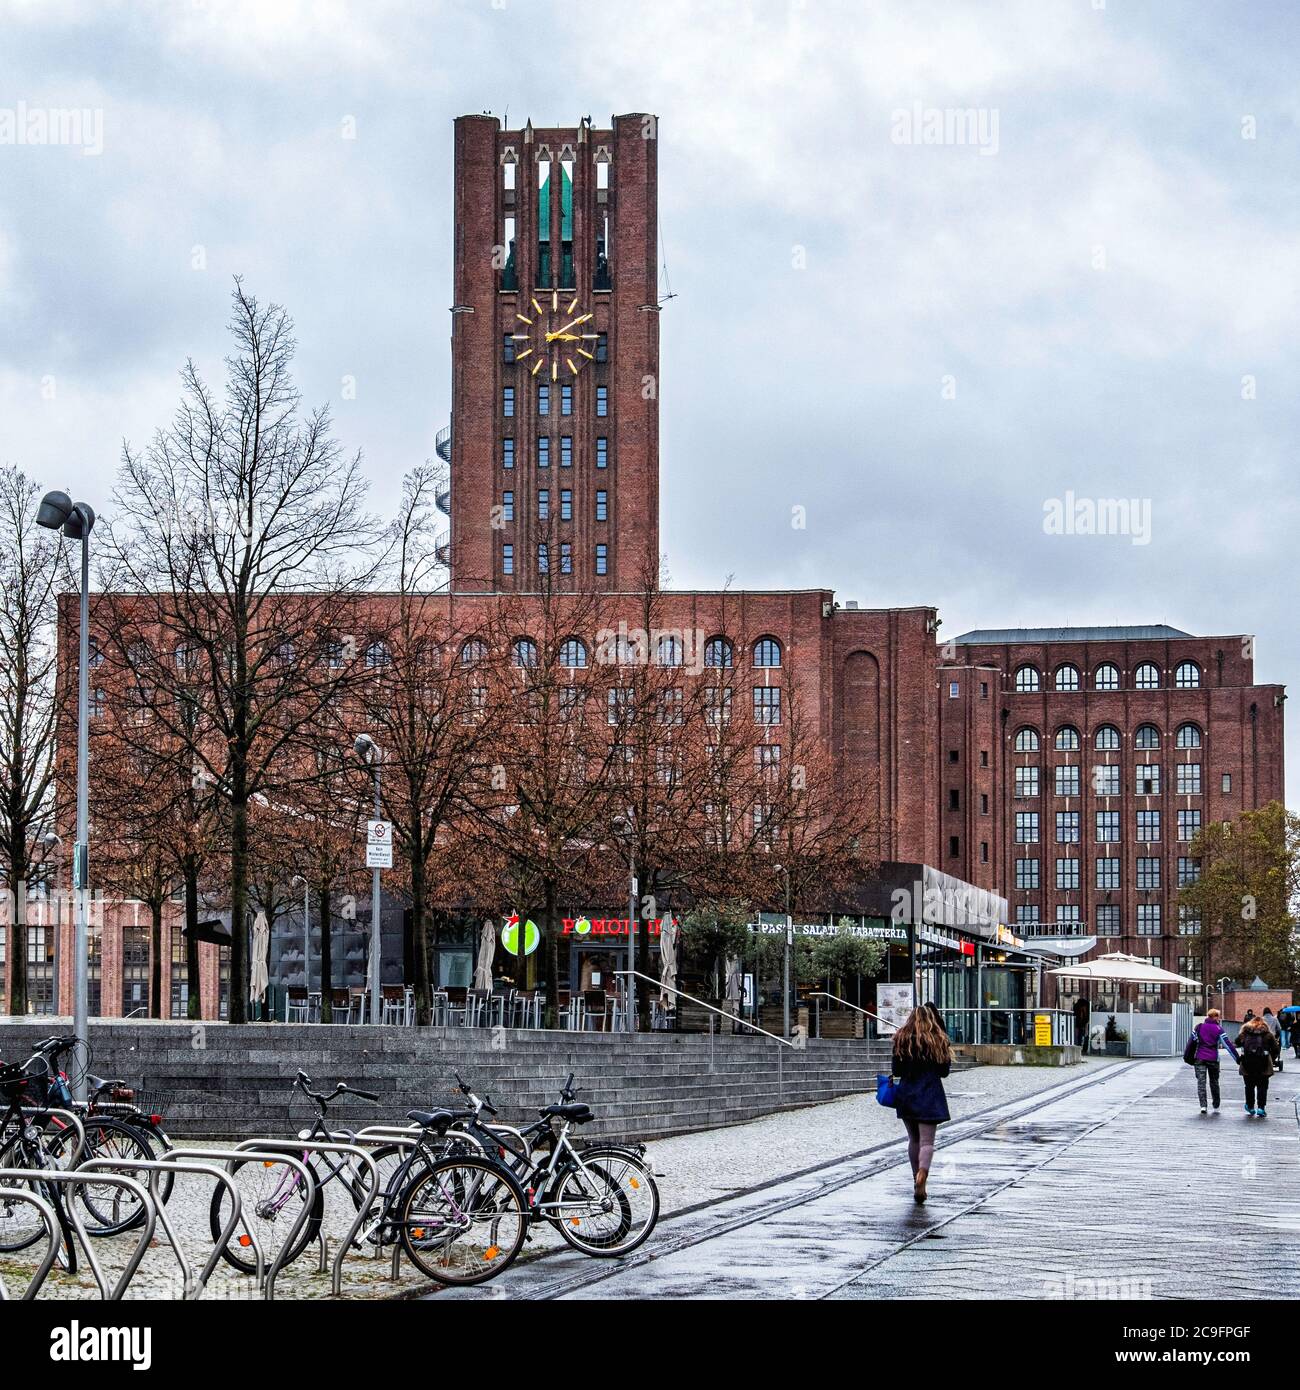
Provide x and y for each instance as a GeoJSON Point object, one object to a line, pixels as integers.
{"type": "Point", "coordinates": [544, 222]}
{"type": "Point", "coordinates": [566, 224]}
{"type": "Point", "coordinates": [507, 347]}
{"type": "Point", "coordinates": [601, 279]}
{"type": "Point", "coordinates": [566, 400]}
{"type": "Point", "coordinates": [507, 506]}
{"type": "Point", "coordinates": [508, 401]}
{"type": "Point", "coordinates": [602, 559]}
{"type": "Point", "coordinates": [602, 453]}
{"type": "Point", "coordinates": [602, 505]}
{"type": "Point", "coordinates": [566, 504]}
{"type": "Point", "coordinates": [602, 347]}
{"type": "Point", "coordinates": [543, 558]}
{"type": "Point", "coordinates": [602, 401]}
{"type": "Point", "coordinates": [543, 453]}
{"type": "Point", "coordinates": [543, 398]}
{"type": "Point", "coordinates": [509, 267]}
{"type": "Point", "coordinates": [507, 453]}
{"type": "Point", "coordinates": [507, 559]}
{"type": "Point", "coordinates": [566, 451]}
{"type": "Point", "coordinates": [566, 558]}
{"type": "Point", "coordinates": [544, 504]}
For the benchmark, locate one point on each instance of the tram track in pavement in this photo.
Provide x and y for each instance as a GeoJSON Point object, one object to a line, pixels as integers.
{"type": "Point", "coordinates": [748, 1207]}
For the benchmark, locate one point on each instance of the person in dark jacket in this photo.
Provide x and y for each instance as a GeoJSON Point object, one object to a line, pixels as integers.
{"type": "Point", "coordinates": [1082, 1018]}
{"type": "Point", "coordinates": [922, 1058]}
{"type": "Point", "coordinates": [1258, 1049]}
{"type": "Point", "coordinates": [1209, 1038]}
{"type": "Point", "coordinates": [1275, 1027]}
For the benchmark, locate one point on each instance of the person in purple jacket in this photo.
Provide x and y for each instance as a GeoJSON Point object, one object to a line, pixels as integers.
{"type": "Point", "coordinates": [1209, 1038]}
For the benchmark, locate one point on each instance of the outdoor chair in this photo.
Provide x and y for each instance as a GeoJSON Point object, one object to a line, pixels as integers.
{"type": "Point", "coordinates": [476, 1007]}
{"type": "Point", "coordinates": [297, 1007]}
{"type": "Point", "coordinates": [456, 1004]}
{"type": "Point", "coordinates": [340, 1006]}
{"type": "Point", "coordinates": [394, 1002]}
{"type": "Point", "coordinates": [593, 1010]}
{"type": "Point", "coordinates": [360, 1002]}
{"type": "Point", "coordinates": [439, 1007]}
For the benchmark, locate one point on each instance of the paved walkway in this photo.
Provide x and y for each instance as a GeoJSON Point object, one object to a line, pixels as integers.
{"type": "Point", "coordinates": [1110, 1184]}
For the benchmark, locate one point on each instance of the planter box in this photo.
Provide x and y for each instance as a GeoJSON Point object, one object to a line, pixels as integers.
{"type": "Point", "coordinates": [842, 1025]}
{"type": "Point", "coordinates": [1117, 1049]}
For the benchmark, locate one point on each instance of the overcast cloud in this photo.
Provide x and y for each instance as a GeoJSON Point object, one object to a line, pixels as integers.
{"type": "Point", "coordinates": [920, 344]}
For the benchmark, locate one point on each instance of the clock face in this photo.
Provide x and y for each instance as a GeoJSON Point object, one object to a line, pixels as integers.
{"type": "Point", "coordinates": [555, 335]}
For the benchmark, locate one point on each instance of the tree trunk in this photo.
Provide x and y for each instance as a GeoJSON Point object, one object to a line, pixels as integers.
{"type": "Point", "coordinates": [642, 953]}
{"type": "Point", "coordinates": [194, 979]}
{"type": "Point", "coordinates": [155, 959]}
{"type": "Point", "coordinates": [17, 938]}
{"type": "Point", "coordinates": [238, 1012]}
{"type": "Point", "coordinates": [420, 930]}
{"type": "Point", "coordinates": [552, 956]}
{"type": "Point", "coordinates": [326, 953]}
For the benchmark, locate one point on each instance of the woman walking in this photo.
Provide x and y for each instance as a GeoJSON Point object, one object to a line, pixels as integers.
{"type": "Point", "coordinates": [1258, 1050]}
{"type": "Point", "coordinates": [1209, 1038]}
{"type": "Point", "coordinates": [922, 1057]}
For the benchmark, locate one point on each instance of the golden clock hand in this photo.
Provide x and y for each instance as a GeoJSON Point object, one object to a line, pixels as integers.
{"type": "Point", "coordinates": [573, 323]}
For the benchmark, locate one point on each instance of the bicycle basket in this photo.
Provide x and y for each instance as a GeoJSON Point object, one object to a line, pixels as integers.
{"type": "Point", "coordinates": [26, 1081]}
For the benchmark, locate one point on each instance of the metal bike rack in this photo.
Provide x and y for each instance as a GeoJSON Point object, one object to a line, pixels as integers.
{"type": "Point", "coordinates": [154, 1168]}
{"type": "Point", "coordinates": [53, 1232]}
{"type": "Point", "coordinates": [70, 1179]}
{"type": "Point", "coordinates": [322, 1146]}
{"type": "Point", "coordinates": [74, 1120]}
{"type": "Point", "coordinates": [266, 1277]}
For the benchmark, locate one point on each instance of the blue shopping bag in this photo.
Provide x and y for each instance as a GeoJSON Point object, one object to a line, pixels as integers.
{"type": "Point", "coordinates": [886, 1090]}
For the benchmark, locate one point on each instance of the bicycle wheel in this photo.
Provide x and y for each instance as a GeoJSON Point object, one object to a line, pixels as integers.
{"type": "Point", "coordinates": [109, 1209]}
{"type": "Point", "coordinates": [609, 1210]}
{"type": "Point", "coordinates": [271, 1196]}
{"type": "Point", "coordinates": [21, 1224]}
{"type": "Point", "coordinates": [463, 1221]}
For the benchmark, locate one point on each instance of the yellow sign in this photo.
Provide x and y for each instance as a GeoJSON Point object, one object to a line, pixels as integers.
{"type": "Point", "coordinates": [1042, 1030]}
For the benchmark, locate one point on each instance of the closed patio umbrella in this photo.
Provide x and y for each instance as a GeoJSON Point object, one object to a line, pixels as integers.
{"type": "Point", "coordinates": [735, 990]}
{"type": "Point", "coordinates": [667, 961]}
{"type": "Point", "coordinates": [258, 964]}
{"type": "Point", "coordinates": [487, 946]}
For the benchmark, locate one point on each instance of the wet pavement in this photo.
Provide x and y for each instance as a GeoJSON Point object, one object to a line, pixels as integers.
{"type": "Point", "coordinates": [1110, 1184]}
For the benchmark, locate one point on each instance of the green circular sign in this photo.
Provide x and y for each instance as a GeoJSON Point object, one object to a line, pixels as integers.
{"type": "Point", "coordinates": [582, 926]}
{"type": "Point", "coordinates": [510, 936]}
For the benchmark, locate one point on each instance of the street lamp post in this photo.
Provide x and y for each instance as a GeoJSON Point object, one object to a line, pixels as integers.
{"type": "Point", "coordinates": [76, 520]}
{"type": "Point", "coordinates": [306, 939]}
{"type": "Point", "coordinates": [785, 955]}
{"type": "Point", "coordinates": [368, 751]}
{"type": "Point", "coordinates": [623, 825]}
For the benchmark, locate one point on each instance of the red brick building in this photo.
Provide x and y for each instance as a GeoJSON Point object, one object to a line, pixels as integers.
{"type": "Point", "coordinates": [1065, 769]}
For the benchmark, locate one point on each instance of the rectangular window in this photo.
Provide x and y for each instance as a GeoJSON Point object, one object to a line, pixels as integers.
{"type": "Point", "coordinates": [1189, 779]}
{"type": "Point", "coordinates": [135, 970]}
{"type": "Point", "coordinates": [507, 506]}
{"type": "Point", "coordinates": [717, 704]}
{"type": "Point", "coordinates": [544, 504]}
{"type": "Point", "coordinates": [507, 559]}
{"type": "Point", "coordinates": [602, 560]}
{"type": "Point", "coordinates": [954, 690]}
{"type": "Point", "coordinates": [1027, 915]}
{"type": "Point", "coordinates": [508, 347]}
{"type": "Point", "coordinates": [1148, 923]}
{"type": "Point", "coordinates": [984, 851]}
{"type": "Point", "coordinates": [1026, 874]}
{"type": "Point", "coordinates": [566, 558]}
{"type": "Point", "coordinates": [507, 401]}
{"type": "Point", "coordinates": [1189, 871]}
{"type": "Point", "coordinates": [767, 704]}
{"type": "Point", "coordinates": [1105, 779]}
{"type": "Point", "coordinates": [984, 803]}
{"type": "Point", "coordinates": [954, 846]}
{"type": "Point", "coordinates": [566, 400]}
{"type": "Point", "coordinates": [602, 401]}
{"type": "Point", "coordinates": [1067, 781]}
{"type": "Point", "coordinates": [1189, 825]}
{"type": "Point", "coordinates": [602, 505]}
{"type": "Point", "coordinates": [1026, 781]}
{"type": "Point", "coordinates": [509, 271]}
{"type": "Point", "coordinates": [1026, 827]}
{"type": "Point", "coordinates": [1067, 912]}
{"type": "Point", "coordinates": [566, 451]}
{"type": "Point", "coordinates": [1148, 779]}
{"type": "Point", "coordinates": [544, 223]}
{"type": "Point", "coordinates": [1148, 872]}
{"type": "Point", "coordinates": [507, 453]}
{"type": "Point", "coordinates": [543, 398]}
{"type": "Point", "coordinates": [566, 504]}
{"type": "Point", "coordinates": [1226, 782]}
{"type": "Point", "coordinates": [1189, 921]}
{"type": "Point", "coordinates": [543, 453]}
{"type": "Point", "coordinates": [954, 801]}
{"type": "Point", "coordinates": [602, 347]}
{"type": "Point", "coordinates": [1108, 919]}
{"type": "Point", "coordinates": [1107, 827]}
{"type": "Point", "coordinates": [767, 757]}
{"type": "Point", "coordinates": [1148, 827]}
{"type": "Point", "coordinates": [1067, 875]}
{"type": "Point", "coordinates": [602, 453]}
{"type": "Point", "coordinates": [619, 704]}
{"type": "Point", "coordinates": [543, 558]}
{"type": "Point", "coordinates": [180, 977]}
{"type": "Point", "coordinates": [1067, 827]}
{"type": "Point", "coordinates": [1107, 873]}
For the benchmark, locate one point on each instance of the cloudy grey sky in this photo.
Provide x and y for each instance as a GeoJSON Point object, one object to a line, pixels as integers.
{"type": "Point", "coordinates": [920, 344]}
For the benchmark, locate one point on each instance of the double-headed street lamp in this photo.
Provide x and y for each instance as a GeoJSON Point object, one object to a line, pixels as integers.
{"type": "Point", "coordinates": [623, 828]}
{"type": "Point", "coordinates": [785, 957]}
{"type": "Point", "coordinates": [58, 512]}
{"type": "Point", "coordinates": [368, 751]}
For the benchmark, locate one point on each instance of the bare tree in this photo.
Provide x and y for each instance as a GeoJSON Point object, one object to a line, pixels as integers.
{"type": "Point", "coordinates": [242, 535]}
{"type": "Point", "coordinates": [32, 569]}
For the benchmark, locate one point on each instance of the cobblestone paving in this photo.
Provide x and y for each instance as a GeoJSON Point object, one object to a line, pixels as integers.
{"type": "Point", "coordinates": [1117, 1189]}
{"type": "Point", "coordinates": [703, 1167]}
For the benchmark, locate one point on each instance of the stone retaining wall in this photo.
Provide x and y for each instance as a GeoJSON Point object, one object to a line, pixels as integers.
{"type": "Point", "coordinates": [215, 1079]}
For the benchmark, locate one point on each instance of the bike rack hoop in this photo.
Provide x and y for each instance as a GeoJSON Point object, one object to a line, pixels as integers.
{"type": "Point", "coordinates": [52, 1233]}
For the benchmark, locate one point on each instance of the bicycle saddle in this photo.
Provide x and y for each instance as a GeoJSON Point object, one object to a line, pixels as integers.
{"type": "Point", "coordinates": [577, 1112]}
{"type": "Point", "coordinates": [430, 1119]}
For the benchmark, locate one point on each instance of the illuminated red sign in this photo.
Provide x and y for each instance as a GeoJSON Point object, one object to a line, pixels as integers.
{"type": "Point", "coordinates": [587, 927]}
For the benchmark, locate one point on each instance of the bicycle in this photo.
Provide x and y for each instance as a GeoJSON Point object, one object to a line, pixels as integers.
{"type": "Point", "coordinates": [459, 1215]}
{"type": "Point", "coordinates": [601, 1197]}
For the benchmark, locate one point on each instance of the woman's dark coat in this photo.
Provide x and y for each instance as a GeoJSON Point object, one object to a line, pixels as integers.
{"type": "Point", "coordinates": [920, 1090]}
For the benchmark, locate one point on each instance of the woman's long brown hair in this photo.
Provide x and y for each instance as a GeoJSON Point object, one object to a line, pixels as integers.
{"type": "Point", "coordinates": [922, 1037]}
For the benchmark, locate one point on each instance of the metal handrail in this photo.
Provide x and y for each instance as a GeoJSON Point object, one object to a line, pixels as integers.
{"type": "Point", "coordinates": [681, 994]}
{"type": "Point", "coordinates": [363, 1207]}
{"type": "Point", "coordinates": [826, 994]}
{"type": "Point", "coordinates": [53, 1233]}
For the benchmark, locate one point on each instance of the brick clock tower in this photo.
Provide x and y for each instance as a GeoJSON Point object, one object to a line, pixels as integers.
{"type": "Point", "coordinates": [554, 438]}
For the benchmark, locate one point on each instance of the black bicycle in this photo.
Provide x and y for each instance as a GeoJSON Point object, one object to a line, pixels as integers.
{"type": "Point", "coordinates": [460, 1215]}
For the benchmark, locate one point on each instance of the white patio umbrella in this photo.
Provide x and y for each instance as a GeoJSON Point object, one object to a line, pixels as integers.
{"type": "Point", "coordinates": [1115, 965]}
{"type": "Point", "coordinates": [735, 990]}
{"type": "Point", "coordinates": [259, 951]}
{"type": "Point", "coordinates": [487, 945]}
{"type": "Point", "coordinates": [667, 961]}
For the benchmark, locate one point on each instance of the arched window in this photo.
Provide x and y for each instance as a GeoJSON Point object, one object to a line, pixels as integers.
{"type": "Point", "coordinates": [668, 652]}
{"type": "Point", "coordinates": [1188, 736]}
{"type": "Point", "coordinates": [1067, 677]}
{"type": "Point", "coordinates": [523, 652]}
{"type": "Point", "coordinates": [1027, 680]}
{"type": "Point", "coordinates": [1147, 677]}
{"type": "Point", "coordinates": [717, 653]}
{"type": "Point", "coordinates": [1187, 676]}
{"type": "Point", "coordinates": [1106, 677]}
{"type": "Point", "coordinates": [1147, 736]}
{"type": "Point", "coordinates": [573, 654]}
{"type": "Point", "coordinates": [377, 655]}
{"type": "Point", "coordinates": [1026, 740]}
{"type": "Point", "coordinates": [1106, 739]}
{"type": "Point", "coordinates": [767, 652]}
{"type": "Point", "coordinates": [1067, 738]}
{"type": "Point", "coordinates": [473, 651]}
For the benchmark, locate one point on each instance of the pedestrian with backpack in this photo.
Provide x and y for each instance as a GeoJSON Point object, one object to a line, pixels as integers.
{"type": "Point", "coordinates": [1257, 1050]}
{"type": "Point", "coordinates": [1202, 1051]}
